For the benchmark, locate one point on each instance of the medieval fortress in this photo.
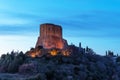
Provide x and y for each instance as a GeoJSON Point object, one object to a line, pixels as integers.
{"type": "Point", "coordinates": [51, 37]}
{"type": "Point", "coordinates": [51, 42]}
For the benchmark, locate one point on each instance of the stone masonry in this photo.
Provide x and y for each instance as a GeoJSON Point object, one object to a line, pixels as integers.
{"type": "Point", "coordinates": [51, 37]}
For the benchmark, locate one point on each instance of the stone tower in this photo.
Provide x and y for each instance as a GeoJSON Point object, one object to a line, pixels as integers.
{"type": "Point", "coordinates": [51, 37]}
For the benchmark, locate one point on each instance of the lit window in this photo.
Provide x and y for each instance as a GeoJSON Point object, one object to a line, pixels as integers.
{"type": "Point", "coordinates": [53, 52]}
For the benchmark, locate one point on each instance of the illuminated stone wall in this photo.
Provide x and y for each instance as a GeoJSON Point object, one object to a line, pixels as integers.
{"type": "Point", "coordinates": [51, 37]}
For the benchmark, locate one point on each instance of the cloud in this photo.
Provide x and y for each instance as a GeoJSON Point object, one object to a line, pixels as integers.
{"type": "Point", "coordinates": [13, 18]}
{"type": "Point", "coordinates": [13, 21]}
{"type": "Point", "coordinates": [85, 23]}
{"type": "Point", "coordinates": [19, 30]}
{"type": "Point", "coordinates": [95, 24]}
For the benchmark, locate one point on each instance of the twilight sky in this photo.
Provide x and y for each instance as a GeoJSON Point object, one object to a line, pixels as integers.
{"type": "Point", "coordinates": [95, 23]}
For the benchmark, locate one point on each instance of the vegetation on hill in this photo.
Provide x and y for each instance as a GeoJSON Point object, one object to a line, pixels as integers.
{"type": "Point", "coordinates": [77, 66]}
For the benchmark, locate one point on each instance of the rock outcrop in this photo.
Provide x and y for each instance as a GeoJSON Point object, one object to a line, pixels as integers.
{"type": "Point", "coordinates": [51, 37]}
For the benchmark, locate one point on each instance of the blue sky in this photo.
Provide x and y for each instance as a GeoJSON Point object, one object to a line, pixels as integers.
{"type": "Point", "coordinates": [95, 23]}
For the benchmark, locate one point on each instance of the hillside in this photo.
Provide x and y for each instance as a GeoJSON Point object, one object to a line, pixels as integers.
{"type": "Point", "coordinates": [76, 66]}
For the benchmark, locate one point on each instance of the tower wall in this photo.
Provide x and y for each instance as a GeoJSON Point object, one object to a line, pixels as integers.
{"type": "Point", "coordinates": [51, 36]}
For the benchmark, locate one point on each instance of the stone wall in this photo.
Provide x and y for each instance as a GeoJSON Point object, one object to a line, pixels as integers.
{"type": "Point", "coordinates": [51, 37]}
